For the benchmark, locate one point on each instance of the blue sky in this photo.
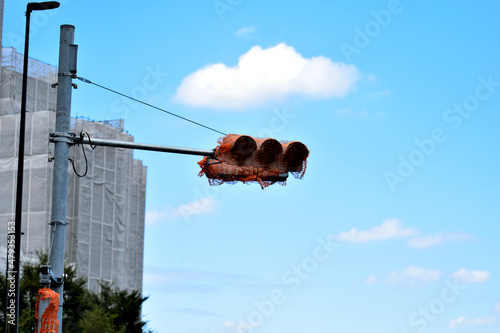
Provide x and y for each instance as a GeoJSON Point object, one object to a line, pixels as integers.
{"type": "Point", "coordinates": [393, 227]}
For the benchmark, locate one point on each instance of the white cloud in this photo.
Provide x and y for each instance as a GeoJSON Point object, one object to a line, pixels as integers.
{"type": "Point", "coordinates": [229, 324]}
{"type": "Point", "coordinates": [264, 75]}
{"type": "Point", "coordinates": [153, 216]}
{"type": "Point", "coordinates": [245, 32]}
{"type": "Point", "coordinates": [381, 93]}
{"type": "Point", "coordinates": [462, 322]}
{"type": "Point", "coordinates": [199, 207]}
{"type": "Point", "coordinates": [475, 276]}
{"type": "Point", "coordinates": [202, 206]}
{"type": "Point", "coordinates": [497, 307]}
{"type": "Point", "coordinates": [371, 279]}
{"type": "Point", "coordinates": [425, 241]}
{"type": "Point", "coordinates": [414, 276]}
{"type": "Point", "coordinates": [237, 326]}
{"type": "Point", "coordinates": [436, 239]}
{"type": "Point", "coordinates": [348, 112]}
{"type": "Point", "coordinates": [391, 228]}
{"type": "Point", "coordinates": [178, 280]}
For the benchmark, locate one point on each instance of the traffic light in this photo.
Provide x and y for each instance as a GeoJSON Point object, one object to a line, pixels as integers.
{"type": "Point", "coordinates": [247, 159]}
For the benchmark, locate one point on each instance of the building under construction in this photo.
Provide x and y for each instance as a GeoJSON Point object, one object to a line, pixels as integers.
{"type": "Point", "coordinates": [106, 208]}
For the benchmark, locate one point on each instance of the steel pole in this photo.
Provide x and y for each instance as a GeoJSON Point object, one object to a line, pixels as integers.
{"type": "Point", "coordinates": [61, 154]}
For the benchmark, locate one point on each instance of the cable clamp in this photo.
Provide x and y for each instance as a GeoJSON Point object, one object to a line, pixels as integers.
{"type": "Point", "coordinates": [83, 79]}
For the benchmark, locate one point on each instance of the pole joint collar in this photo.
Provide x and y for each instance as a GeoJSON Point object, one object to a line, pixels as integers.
{"type": "Point", "coordinates": [62, 137]}
{"type": "Point", "coordinates": [72, 75]}
{"type": "Point", "coordinates": [58, 223]}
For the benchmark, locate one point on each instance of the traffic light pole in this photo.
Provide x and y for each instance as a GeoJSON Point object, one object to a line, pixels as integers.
{"type": "Point", "coordinates": [53, 274]}
{"type": "Point", "coordinates": [66, 72]}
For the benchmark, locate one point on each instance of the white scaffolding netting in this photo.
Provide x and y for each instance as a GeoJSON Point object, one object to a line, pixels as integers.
{"type": "Point", "coordinates": [40, 95]}
{"type": "Point", "coordinates": [106, 209]}
{"type": "Point", "coordinates": [109, 208]}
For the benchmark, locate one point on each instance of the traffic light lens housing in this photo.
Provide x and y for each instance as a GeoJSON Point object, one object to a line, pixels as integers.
{"type": "Point", "coordinates": [295, 155]}
{"type": "Point", "coordinates": [244, 146]}
{"type": "Point", "coordinates": [268, 152]}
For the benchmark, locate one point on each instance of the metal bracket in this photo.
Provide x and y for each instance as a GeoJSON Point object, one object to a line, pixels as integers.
{"type": "Point", "coordinates": [45, 275]}
{"type": "Point", "coordinates": [58, 223]}
{"type": "Point", "coordinates": [48, 278]}
{"type": "Point", "coordinates": [72, 75]}
{"type": "Point", "coordinates": [62, 137]}
{"type": "Point", "coordinates": [213, 159]}
{"type": "Point", "coordinates": [74, 85]}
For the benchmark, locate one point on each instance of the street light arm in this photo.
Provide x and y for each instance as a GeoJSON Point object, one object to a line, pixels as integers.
{"type": "Point", "coordinates": [41, 6]}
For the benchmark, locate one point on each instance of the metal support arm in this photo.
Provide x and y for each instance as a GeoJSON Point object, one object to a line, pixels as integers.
{"type": "Point", "coordinates": [73, 139]}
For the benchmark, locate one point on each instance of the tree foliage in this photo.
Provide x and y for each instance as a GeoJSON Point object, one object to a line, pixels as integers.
{"type": "Point", "coordinates": [111, 310]}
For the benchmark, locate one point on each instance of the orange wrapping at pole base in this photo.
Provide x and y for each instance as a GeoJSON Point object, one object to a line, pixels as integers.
{"type": "Point", "coordinates": [49, 322]}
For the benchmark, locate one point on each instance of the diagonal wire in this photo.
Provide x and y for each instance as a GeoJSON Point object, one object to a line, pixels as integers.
{"type": "Point", "coordinates": [150, 105]}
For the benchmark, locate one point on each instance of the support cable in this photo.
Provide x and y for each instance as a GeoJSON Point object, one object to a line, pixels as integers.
{"type": "Point", "coordinates": [51, 243]}
{"type": "Point", "coordinates": [82, 136]}
{"type": "Point", "coordinates": [150, 105]}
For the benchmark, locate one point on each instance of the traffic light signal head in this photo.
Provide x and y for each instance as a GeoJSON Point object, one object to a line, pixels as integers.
{"type": "Point", "coordinates": [237, 148]}
{"type": "Point", "coordinates": [295, 156]}
{"type": "Point", "coordinates": [268, 152]}
{"type": "Point", "coordinates": [247, 159]}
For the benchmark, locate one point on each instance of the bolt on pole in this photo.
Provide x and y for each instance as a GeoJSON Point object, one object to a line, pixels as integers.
{"type": "Point", "coordinates": [67, 71]}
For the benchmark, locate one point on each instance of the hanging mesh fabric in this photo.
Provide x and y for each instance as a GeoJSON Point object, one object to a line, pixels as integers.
{"type": "Point", "coordinates": [246, 159]}
{"type": "Point", "coordinates": [49, 322]}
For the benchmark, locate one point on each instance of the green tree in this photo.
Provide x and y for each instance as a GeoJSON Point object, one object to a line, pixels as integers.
{"type": "Point", "coordinates": [75, 294]}
{"type": "Point", "coordinates": [97, 319]}
{"type": "Point", "coordinates": [111, 310]}
{"type": "Point", "coordinates": [3, 294]}
{"type": "Point", "coordinates": [125, 307]}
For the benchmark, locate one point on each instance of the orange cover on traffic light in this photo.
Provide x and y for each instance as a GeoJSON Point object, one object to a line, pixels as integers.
{"type": "Point", "coordinates": [247, 159]}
